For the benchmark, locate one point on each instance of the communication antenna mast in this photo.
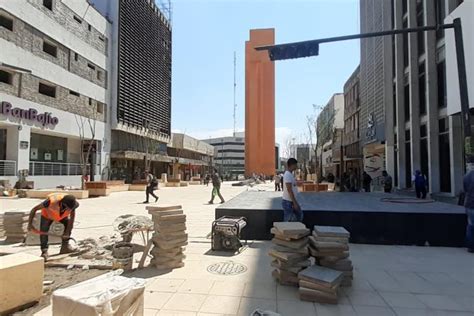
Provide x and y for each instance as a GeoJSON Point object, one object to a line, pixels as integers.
{"type": "Point", "coordinates": [235, 87]}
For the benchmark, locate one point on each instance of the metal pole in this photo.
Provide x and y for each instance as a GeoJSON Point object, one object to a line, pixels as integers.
{"type": "Point", "coordinates": [463, 92]}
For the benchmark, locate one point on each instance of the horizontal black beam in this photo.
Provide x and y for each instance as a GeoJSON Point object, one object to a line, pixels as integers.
{"type": "Point", "coordinates": [357, 36]}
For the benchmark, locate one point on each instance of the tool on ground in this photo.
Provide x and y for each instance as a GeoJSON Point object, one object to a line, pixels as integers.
{"type": "Point", "coordinates": [226, 233]}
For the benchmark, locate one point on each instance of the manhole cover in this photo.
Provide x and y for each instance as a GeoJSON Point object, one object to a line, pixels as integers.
{"type": "Point", "coordinates": [227, 268]}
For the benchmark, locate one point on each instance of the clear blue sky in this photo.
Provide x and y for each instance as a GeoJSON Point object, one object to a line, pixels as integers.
{"type": "Point", "coordinates": [207, 32]}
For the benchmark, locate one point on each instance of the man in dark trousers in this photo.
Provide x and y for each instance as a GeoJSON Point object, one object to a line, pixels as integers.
{"type": "Point", "coordinates": [387, 182]}
{"type": "Point", "coordinates": [366, 181]}
{"type": "Point", "coordinates": [56, 208]}
{"type": "Point", "coordinates": [151, 186]}
{"type": "Point", "coordinates": [420, 185]}
{"type": "Point", "coordinates": [468, 185]}
{"type": "Point", "coordinates": [216, 188]}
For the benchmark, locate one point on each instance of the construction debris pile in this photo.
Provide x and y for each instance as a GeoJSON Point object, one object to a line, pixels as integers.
{"type": "Point", "coordinates": [127, 224]}
{"type": "Point", "coordinates": [319, 284]}
{"type": "Point", "coordinates": [15, 225]}
{"type": "Point", "coordinates": [329, 246]}
{"type": "Point", "coordinates": [169, 238]}
{"type": "Point", "coordinates": [290, 251]}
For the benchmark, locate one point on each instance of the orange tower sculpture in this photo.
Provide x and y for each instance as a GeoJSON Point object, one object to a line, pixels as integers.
{"type": "Point", "coordinates": [259, 105]}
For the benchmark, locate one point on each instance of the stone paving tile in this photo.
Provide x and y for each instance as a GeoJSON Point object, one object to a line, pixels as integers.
{"type": "Point", "coordinates": [288, 293]}
{"type": "Point", "coordinates": [175, 313]}
{"type": "Point", "coordinates": [221, 304]}
{"type": "Point", "coordinates": [334, 310]}
{"type": "Point", "coordinates": [442, 302]}
{"type": "Point", "coordinates": [248, 305]}
{"type": "Point", "coordinates": [228, 288]}
{"type": "Point", "coordinates": [366, 298]}
{"type": "Point", "coordinates": [156, 300]}
{"type": "Point", "coordinates": [373, 311]}
{"type": "Point", "coordinates": [196, 286]}
{"type": "Point", "coordinates": [165, 285]}
{"type": "Point", "coordinates": [414, 283]}
{"type": "Point", "coordinates": [285, 307]}
{"type": "Point", "coordinates": [150, 312]}
{"type": "Point", "coordinates": [185, 302]}
{"type": "Point", "coordinates": [402, 300]}
{"type": "Point", "coordinates": [261, 290]}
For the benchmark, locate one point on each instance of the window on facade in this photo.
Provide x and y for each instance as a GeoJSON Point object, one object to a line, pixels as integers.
{"type": "Point", "coordinates": [407, 135]}
{"type": "Point", "coordinates": [89, 27]}
{"type": "Point", "coordinates": [405, 45]}
{"type": "Point", "coordinates": [102, 38]}
{"type": "Point", "coordinates": [48, 4]}
{"type": "Point", "coordinates": [420, 21]}
{"type": "Point", "coordinates": [6, 22]}
{"type": "Point", "coordinates": [404, 6]}
{"type": "Point", "coordinates": [90, 101]}
{"type": "Point", "coordinates": [422, 88]}
{"type": "Point", "coordinates": [406, 100]}
{"type": "Point", "coordinates": [100, 107]}
{"type": "Point", "coordinates": [6, 77]}
{"type": "Point", "coordinates": [91, 66]}
{"type": "Point", "coordinates": [423, 131]}
{"type": "Point", "coordinates": [47, 89]}
{"type": "Point", "coordinates": [50, 49]}
{"type": "Point", "coordinates": [76, 57]}
{"type": "Point", "coordinates": [394, 72]}
{"type": "Point", "coordinates": [99, 75]}
{"type": "Point", "coordinates": [78, 20]}
{"type": "Point", "coordinates": [442, 97]}
{"type": "Point", "coordinates": [74, 93]}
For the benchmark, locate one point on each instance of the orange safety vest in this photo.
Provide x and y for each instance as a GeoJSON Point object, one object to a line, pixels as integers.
{"type": "Point", "coordinates": [53, 211]}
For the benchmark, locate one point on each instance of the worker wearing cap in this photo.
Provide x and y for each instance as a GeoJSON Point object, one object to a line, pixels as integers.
{"type": "Point", "coordinates": [56, 208]}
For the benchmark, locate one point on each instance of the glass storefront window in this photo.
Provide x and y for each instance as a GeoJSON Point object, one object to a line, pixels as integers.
{"type": "Point", "coordinates": [3, 144]}
{"type": "Point", "coordinates": [48, 148]}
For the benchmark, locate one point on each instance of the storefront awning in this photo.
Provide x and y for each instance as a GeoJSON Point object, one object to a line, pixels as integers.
{"type": "Point", "coordinates": [134, 155]}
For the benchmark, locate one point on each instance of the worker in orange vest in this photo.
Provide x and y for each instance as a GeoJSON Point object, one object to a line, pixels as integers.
{"type": "Point", "coordinates": [58, 208]}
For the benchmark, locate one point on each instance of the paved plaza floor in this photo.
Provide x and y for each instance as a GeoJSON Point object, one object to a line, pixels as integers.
{"type": "Point", "coordinates": [388, 280]}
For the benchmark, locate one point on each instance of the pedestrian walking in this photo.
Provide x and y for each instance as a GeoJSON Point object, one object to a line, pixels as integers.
{"type": "Point", "coordinates": [151, 186]}
{"type": "Point", "coordinates": [216, 188]}
{"type": "Point", "coordinates": [468, 185]}
{"type": "Point", "coordinates": [291, 209]}
{"type": "Point", "coordinates": [353, 185]}
{"type": "Point", "coordinates": [420, 185]}
{"type": "Point", "coordinates": [387, 182]}
{"type": "Point", "coordinates": [366, 181]}
{"type": "Point", "coordinates": [277, 182]}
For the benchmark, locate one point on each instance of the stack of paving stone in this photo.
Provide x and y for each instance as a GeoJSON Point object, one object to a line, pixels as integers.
{"type": "Point", "coordinates": [2, 230]}
{"type": "Point", "coordinates": [169, 238]}
{"type": "Point", "coordinates": [330, 246]}
{"type": "Point", "coordinates": [290, 251]}
{"type": "Point", "coordinates": [319, 284]}
{"type": "Point", "coordinates": [15, 225]}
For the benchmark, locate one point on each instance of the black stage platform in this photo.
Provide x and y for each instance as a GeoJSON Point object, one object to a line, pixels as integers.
{"type": "Point", "coordinates": [365, 215]}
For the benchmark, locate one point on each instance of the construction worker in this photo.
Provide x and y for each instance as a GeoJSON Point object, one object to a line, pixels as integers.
{"type": "Point", "coordinates": [58, 208]}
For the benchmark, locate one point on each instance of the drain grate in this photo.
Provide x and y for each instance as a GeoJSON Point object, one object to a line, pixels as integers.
{"type": "Point", "coordinates": [227, 268]}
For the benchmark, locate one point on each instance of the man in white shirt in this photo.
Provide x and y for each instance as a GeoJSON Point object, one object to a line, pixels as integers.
{"type": "Point", "coordinates": [291, 209]}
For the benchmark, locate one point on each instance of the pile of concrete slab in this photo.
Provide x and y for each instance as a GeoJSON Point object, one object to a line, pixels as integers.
{"type": "Point", "coordinates": [15, 225]}
{"type": "Point", "coordinates": [289, 251]}
{"type": "Point", "coordinates": [319, 284]}
{"type": "Point", "coordinates": [169, 238]}
{"type": "Point", "coordinates": [2, 229]}
{"type": "Point", "coordinates": [330, 247]}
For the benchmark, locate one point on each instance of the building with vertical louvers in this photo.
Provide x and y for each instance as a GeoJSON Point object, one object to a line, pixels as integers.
{"type": "Point", "coordinates": [141, 83]}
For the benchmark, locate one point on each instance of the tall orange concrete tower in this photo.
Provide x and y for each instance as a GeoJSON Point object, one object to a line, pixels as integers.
{"type": "Point", "coordinates": [259, 105]}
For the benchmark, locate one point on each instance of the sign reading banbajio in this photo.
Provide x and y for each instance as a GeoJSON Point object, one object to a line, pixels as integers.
{"type": "Point", "coordinates": [44, 119]}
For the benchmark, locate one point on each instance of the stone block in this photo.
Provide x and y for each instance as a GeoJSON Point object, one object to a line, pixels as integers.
{"type": "Point", "coordinates": [294, 244]}
{"type": "Point", "coordinates": [21, 282]}
{"type": "Point", "coordinates": [151, 209]}
{"type": "Point", "coordinates": [331, 231]}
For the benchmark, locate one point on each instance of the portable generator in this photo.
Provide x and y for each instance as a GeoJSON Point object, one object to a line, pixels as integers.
{"type": "Point", "coordinates": [226, 233]}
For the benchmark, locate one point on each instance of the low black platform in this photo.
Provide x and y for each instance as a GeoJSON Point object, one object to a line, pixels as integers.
{"type": "Point", "coordinates": [365, 215]}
